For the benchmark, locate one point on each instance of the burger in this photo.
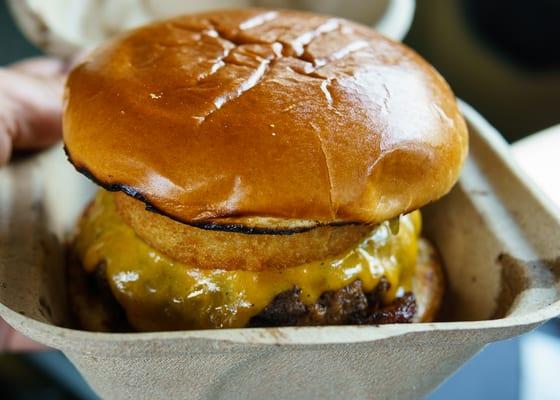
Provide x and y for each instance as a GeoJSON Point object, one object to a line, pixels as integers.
{"type": "Point", "coordinates": [258, 168]}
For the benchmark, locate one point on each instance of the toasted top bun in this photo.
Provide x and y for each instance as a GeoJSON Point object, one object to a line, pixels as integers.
{"type": "Point", "coordinates": [264, 118]}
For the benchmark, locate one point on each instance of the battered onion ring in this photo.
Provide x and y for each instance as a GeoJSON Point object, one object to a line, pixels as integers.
{"type": "Point", "coordinates": [208, 249]}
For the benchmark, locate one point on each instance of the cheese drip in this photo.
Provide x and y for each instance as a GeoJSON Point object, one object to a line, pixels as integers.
{"type": "Point", "coordinates": [159, 293]}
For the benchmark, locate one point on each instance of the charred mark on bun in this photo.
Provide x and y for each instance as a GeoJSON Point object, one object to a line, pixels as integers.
{"type": "Point", "coordinates": [208, 225]}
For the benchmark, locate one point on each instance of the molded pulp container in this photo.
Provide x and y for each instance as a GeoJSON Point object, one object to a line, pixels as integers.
{"type": "Point", "coordinates": [498, 236]}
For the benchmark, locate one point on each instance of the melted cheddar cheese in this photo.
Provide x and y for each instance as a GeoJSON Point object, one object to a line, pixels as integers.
{"type": "Point", "coordinates": [158, 293]}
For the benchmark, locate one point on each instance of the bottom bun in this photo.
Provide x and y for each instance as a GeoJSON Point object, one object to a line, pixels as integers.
{"type": "Point", "coordinates": [95, 308]}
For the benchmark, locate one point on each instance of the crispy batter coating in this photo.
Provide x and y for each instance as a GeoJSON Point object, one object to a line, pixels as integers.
{"type": "Point", "coordinates": [209, 249]}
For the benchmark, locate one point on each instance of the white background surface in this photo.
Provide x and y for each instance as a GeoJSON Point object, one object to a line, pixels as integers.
{"type": "Point", "coordinates": [539, 156]}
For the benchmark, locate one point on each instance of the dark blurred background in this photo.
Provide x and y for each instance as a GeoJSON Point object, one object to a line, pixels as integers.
{"type": "Point", "coordinates": [501, 56]}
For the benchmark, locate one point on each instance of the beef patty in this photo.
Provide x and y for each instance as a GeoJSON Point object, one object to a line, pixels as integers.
{"type": "Point", "coordinates": [346, 306]}
{"type": "Point", "coordinates": [95, 309]}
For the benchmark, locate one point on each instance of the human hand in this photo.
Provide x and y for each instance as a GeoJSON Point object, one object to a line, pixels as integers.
{"type": "Point", "coordinates": [30, 119]}
{"type": "Point", "coordinates": [12, 340]}
{"type": "Point", "coordinates": [30, 105]}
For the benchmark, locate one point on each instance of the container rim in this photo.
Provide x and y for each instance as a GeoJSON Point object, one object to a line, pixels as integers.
{"type": "Point", "coordinates": [59, 337]}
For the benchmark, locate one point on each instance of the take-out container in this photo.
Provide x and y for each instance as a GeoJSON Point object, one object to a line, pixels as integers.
{"type": "Point", "coordinates": [63, 31]}
{"type": "Point", "coordinates": [499, 238]}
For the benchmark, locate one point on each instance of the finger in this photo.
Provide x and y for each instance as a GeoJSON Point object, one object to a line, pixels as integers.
{"type": "Point", "coordinates": [5, 333]}
{"type": "Point", "coordinates": [19, 342]}
{"type": "Point", "coordinates": [11, 340]}
{"type": "Point", "coordinates": [45, 67]}
{"type": "Point", "coordinates": [31, 108]}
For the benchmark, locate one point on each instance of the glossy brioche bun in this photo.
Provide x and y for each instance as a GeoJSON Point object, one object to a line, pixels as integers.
{"type": "Point", "coordinates": [95, 309]}
{"type": "Point", "coordinates": [273, 119]}
{"type": "Point", "coordinates": [231, 251]}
